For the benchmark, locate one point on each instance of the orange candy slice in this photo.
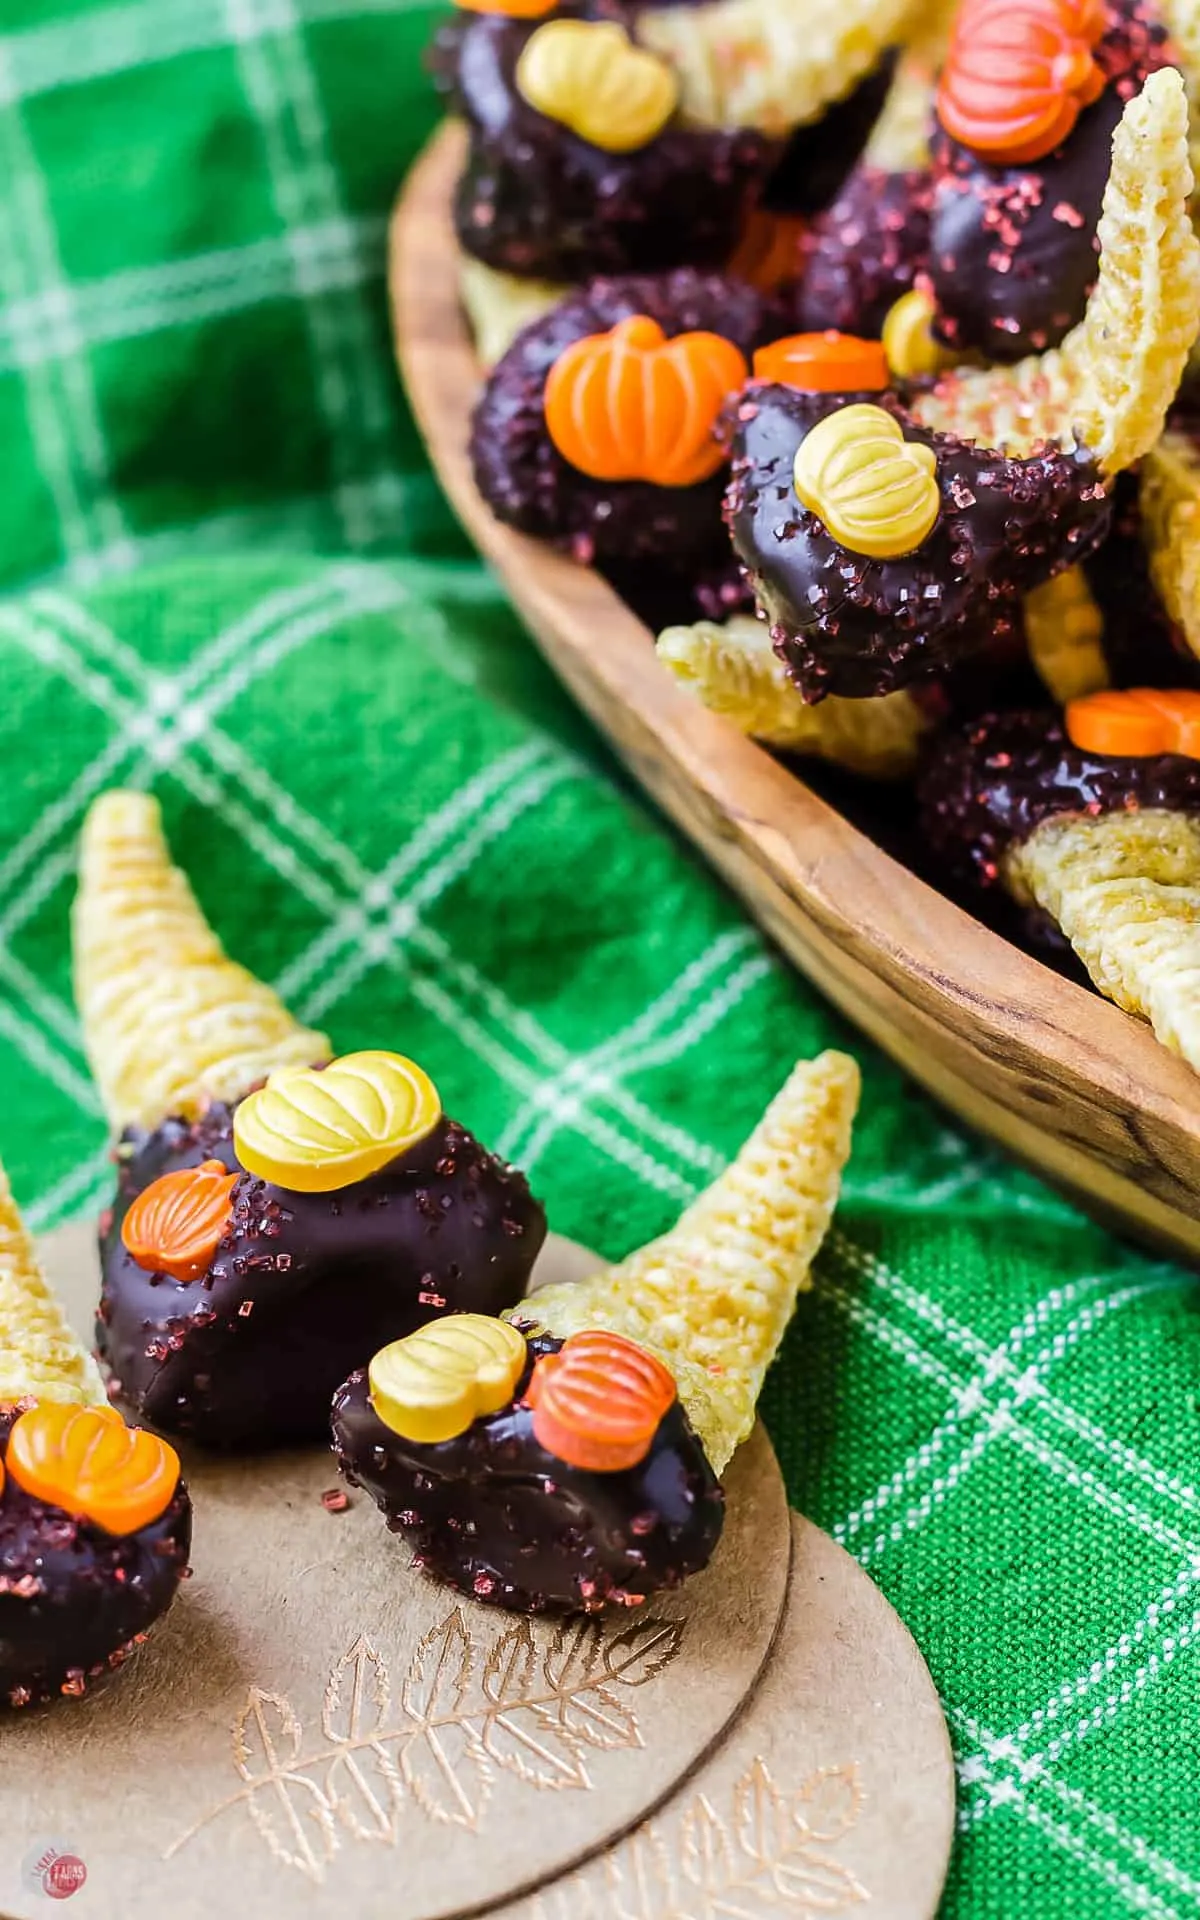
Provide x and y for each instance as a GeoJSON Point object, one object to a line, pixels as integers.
{"type": "Point", "coordinates": [514, 9]}
{"type": "Point", "coordinates": [1136, 724]}
{"type": "Point", "coordinates": [825, 363]}
{"type": "Point", "coordinates": [88, 1462]}
{"type": "Point", "coordinates": [633, 405]}
{"type": "Point", "coordinates": [598, 1401]}
{"type": "Point", "coordinates": [175, 1225]}
{"type": "Point", "coordinates": [1018, 75]}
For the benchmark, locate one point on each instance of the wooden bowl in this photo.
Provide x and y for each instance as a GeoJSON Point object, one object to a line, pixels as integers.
{"type": "Point", "coordinates": [1081, 1092]}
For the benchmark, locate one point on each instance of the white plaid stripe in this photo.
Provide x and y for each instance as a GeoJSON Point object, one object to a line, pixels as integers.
{"type": "Point", "coordinates": [630, 1153]}
{"type": "Point", "coordinates": [992, 1415]}
{"type": "Point", "coordinates": [353, 384]}
{"type": "Point", "coordinates": [145, 33]}
{"type": "Point", "coordinates": [339, 255]}
{"type": "Point", "coordinates": [61, 406]}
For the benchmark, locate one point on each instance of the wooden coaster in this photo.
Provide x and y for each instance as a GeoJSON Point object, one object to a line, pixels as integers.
{"type": "Point", "coordinates": [833, 1791]}
{"type": "Point", "coordinates": [315, 1728]}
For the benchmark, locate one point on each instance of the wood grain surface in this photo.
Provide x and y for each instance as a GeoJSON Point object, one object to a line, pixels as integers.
{"type": "Point", "coordinates": [1078, 1090]}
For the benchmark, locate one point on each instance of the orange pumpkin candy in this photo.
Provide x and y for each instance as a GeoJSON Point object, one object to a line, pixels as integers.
{"type": "Point", "coordinates": [88, 1462]}
{"type": "Point", "coordinates": [1138, 723]}
{"type": "Point", "coordinates": [597, 1403]}
{"type": "Point", "coordinates": [176, 1223]}
{"type": "Point", "coordinates": [1018, 75]}
{"type": "Point", "coordinates": [633, 405]}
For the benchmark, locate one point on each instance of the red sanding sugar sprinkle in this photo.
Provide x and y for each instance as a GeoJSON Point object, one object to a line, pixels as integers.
{"type": "Point", "coordinates": [335, 1500]}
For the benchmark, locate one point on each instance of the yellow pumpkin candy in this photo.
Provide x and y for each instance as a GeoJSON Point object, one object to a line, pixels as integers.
{"type": "Point", "coordinates": [876, 492]}
{"type": "Point", "coordinates": [908, 341]}
{"type": "Point", "coordinates": [436, 1382]}
{"type": "Point", "coordinates": [315, 1130]}
{"type": "Point", "coordinates": [589, 76]}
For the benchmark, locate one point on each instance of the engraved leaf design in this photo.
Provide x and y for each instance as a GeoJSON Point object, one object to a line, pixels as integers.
{"type": "Point", "coordinates": [817, 1883]}
{"type": "Point", "coordinates": [289, 1810]}
{"type": "Point", "coordinates": [521, 1734]}
{"type": "Point", "coordinates": [582, 1707]}
{"type": "Point", "coordinates": [761, 1817]}
{"type": "Point", "coordinates": [639, 1880]}
{"type": "Point", "coordinates": [364, 1784]}
{"type": "Point", "coordinates": [705, 1849]}
{"type": "Point", "coordinates": [829, 1802]}
{"type": "Point", "coordinates": [643, 1650]}
{"type": "Point", "coordinates": [574, 1654]}
{"type": "Point", "coordinates": [443, 1763]}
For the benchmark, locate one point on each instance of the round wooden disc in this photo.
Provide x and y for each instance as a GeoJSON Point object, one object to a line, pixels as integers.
{"type": "Point", "coordinates": [314, 1727]}
{"type": "Point", "coordinates": [834, 1789]}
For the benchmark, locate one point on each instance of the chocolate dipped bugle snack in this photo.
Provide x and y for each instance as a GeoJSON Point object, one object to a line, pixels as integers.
{"type": "Point", "coordinates": [597, 430]}
{"type": "Point", "coordinates": [571, 1456]}
{"type": "Point", "coordinates": [582, 158]}
{"type": "Point", "coordinates": [1027, 103]}
{"type": "Point", "coordinates": [1094, 822]}
{"type": "Point", "coordinates": [95, 1522]}
{"type": "Point", "coordinates": [888, 535]}
{"type": "Point", "coordinates": [278, 1215]}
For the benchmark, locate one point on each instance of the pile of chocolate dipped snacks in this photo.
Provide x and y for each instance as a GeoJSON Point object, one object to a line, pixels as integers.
{"type": "Point", "coordinates": [304, 1248]}
{"type": "Point", "coordinates": [852, 340]}
{"type": "Point", "coordinates": [856, 346]}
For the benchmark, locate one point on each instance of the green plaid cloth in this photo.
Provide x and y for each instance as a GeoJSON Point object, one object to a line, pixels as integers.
{"type": "Point", "coordinates": [391, 812]}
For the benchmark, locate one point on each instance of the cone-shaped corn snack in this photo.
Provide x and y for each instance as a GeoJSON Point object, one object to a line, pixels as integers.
{"type": "Point", "coordinates": [266, 1237]}
{"type": "Point", "coordinates": [1109, 385]}
{"type": "Point", "coordinates": [574, 1459]}
{"type": "Point", "coordinates": [95, 1522]}
{"type": "Point", "coordinates": [770, 64]}
{"type": "Point", "coordinates": [735, 671]}
{"type": "Point", "coordinates": [40, 1357]}
{"type": "Point", "coordinates": [1064, 628]}
{"type": "Point", "coordinates": [499, 305]}
{"type": "Point", "coordinates": [1095, 823]}
{"type": "Point", "coordinates": [1125, 889]}
{"type": "Point", "coordinates": [170, 1024]}
{"type": "Point", "coordinates": [1170, 503]}
{"type": "Point", "coordinates": [900, 139]}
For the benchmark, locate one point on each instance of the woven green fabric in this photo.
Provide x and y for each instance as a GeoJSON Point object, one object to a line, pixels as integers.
{"type": "Point", "coordinates": [390, 811]}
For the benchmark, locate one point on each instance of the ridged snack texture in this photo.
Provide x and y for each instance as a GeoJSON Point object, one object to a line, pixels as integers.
{"type": "Point", "coordinates": [713, 1297]}
{"type": "Point", "coordinates": [733, 669]}
{"type": "Point", "coordinates": [1125, 889]}
{"type": "Point", "coordinates": [1109, 386]}
{"type": "Point", "coordinates": [771, 64]}
{"type": "Point", "coordinates": [40, 1357]}
{"type": "Point", "coordinates": [170, 1023]}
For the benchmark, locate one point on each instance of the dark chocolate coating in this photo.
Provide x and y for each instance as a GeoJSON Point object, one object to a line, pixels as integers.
{"type": "Point", "coordinates": [529, 485]}
{"type": "Point", "coordinates": [496, 1516]}
{"type": "Point", "coordinates": [535, 199]}
{"type": "Point", "coordinates": [988, 788]}
{"type": "Point", "coordinates": [818, 158]}
{"type": "Point", "coordinates": [72, 1597]}
{"type": "Point", "coordinates": [1142, 647]}
{"type": "Point", "coordinates": [304, 1287]}
{"type": "Point", "coordinates": [864, 253]}
{"type": "Point", "coordinates": [1013, 250]}
{"type": "Point", "coordinates": [848, 625]}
